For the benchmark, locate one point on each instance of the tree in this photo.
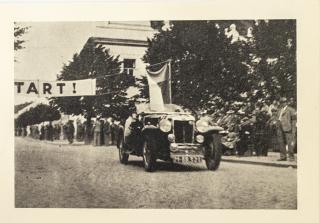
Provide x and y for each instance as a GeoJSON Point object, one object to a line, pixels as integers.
{"type": "Point", "coordinates": [275, 47]}
{"type": "Point", "coordinates": [94, 61]}
{"type": "Point", "coordinates": [217, 62]}
{"type": "Point", "coordinates": [157, 24]}
{"type": "Point", "coordinates": [205, 64]}
{"type": "Point", "coordinates": [38, 114]}
{"type": "Point", "coordinates": [19, 31]}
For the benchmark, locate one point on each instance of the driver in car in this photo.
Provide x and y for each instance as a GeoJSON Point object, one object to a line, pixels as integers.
{"type": "Point", "coordinates": [132, 127]}
{"type": "Point", "coordinates": [128, 124]}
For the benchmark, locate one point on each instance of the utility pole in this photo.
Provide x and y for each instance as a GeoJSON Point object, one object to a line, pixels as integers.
{"type": "Point", "coordinates": [170, 90]}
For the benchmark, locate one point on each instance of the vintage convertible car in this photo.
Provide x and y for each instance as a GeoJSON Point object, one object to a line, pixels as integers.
{"type": "Point", "coordinates": [170, 135]}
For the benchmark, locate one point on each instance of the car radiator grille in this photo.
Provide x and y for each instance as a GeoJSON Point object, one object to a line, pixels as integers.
{"type": "Point", "coordinates": [183, 132]}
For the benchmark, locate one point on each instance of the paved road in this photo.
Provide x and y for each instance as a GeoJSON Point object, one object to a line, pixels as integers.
{"type": "Point", "coordinates": [79, 176]}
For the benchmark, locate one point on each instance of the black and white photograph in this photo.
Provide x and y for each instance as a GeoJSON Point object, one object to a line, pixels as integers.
{"type": "Point", "coordinates": [149, 111]}
{"type": "Point", "coordinates": [156, 114]}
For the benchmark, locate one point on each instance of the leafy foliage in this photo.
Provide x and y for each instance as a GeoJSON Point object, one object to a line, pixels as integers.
{"type": "Point", "coordinates": [157, 25]}
{"type": "Point", "coordinates": [38, 114]}
{"type": "Point", "coordinates": [275, 40]}
{"type": "Point", "coordinates": [209, 69]}
{"type": "Point", "coordinates": [19, 31]}
{"type": "Point", "coordinates": [110, 100]}
{"type": "Point", "coordinates": [203, 60]}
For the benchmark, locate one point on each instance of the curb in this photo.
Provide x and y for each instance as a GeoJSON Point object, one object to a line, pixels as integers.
{"type": "Point", "coordinates": [286, 165]}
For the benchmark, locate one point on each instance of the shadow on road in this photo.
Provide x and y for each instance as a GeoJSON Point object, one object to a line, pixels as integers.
{"type": "Point", "coordinates": [172, 167]}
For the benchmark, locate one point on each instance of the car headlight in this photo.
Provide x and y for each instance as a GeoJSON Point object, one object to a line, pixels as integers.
{"type": "Point", "coordinates": [202, 126]}
{"type": "Point", "coordinates": [199, 138]}
{"type": "Point", "coordinates": [171, 138]}
{"type": "Point", "coordinates": [165, 125]}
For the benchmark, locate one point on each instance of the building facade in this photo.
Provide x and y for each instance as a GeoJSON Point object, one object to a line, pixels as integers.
{"type": "Point", "coordinates": [128, 40]}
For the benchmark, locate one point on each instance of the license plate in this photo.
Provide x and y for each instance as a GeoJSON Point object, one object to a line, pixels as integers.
{"type": "Point", "coordinates": [187, 159]}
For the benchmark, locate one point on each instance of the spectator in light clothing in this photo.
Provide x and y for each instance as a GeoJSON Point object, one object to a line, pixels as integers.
{"type": "Point", "coordinates": [288, 119]}
{"type": "Point", "coordinates": [97, 132]}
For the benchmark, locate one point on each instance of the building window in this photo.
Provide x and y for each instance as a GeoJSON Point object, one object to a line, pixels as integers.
{"type": "Point", "coordinates": [129, 65]}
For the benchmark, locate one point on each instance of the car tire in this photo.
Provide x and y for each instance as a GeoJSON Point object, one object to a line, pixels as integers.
{"type": "Point", "coordinates": [148, 154]}
{"type": "Point", "coordinates": [213, 153]}
{"type": "Point", "coordinates": [123, 156]}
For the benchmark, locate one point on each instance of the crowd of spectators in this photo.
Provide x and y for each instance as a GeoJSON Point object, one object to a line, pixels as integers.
{"type": "Point", "coordinates": [100, 132]}
{"type": "Point", "coordinates": [43, 131]}
{"type": "Point", "coordinates": [249, 129]}
{"type": "Point", "coordinates": [255, 129]}
{"type": "Point", "coordinates": [103, 131]}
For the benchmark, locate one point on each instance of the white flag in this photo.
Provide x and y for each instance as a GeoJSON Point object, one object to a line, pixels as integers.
{"type": "Point", "coordinates": [159, 87]}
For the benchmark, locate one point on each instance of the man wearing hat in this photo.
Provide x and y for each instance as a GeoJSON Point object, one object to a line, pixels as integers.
{"type": "Point", "coordinates": [288, 119]}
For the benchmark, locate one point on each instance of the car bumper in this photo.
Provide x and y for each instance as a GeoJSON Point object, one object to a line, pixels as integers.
{"type": "Point", "coordinates": [186, 152]}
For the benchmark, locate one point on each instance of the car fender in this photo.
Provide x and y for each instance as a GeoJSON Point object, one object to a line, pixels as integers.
{"type": "Point", "coordinates": [211, 136]}
{"type": "Point", "coordinates": [214, 130]}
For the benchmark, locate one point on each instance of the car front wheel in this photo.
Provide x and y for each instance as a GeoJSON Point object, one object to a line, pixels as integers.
{"type": "Point", "coordinates": [149, 160]}
{"type": "Point", "coordinates": [123, 156]}
{"type": "Point", "coordinates": [213, 153]}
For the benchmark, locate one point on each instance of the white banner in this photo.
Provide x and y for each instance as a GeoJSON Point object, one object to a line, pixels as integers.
{"type": "Point", "coordinates": [55, 88]}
